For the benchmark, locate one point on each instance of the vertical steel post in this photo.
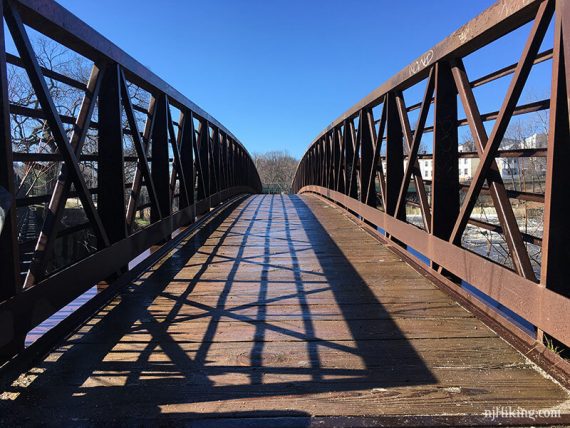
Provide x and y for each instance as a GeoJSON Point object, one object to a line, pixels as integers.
{"type": "Point", "coordinates": [445, 179]}
{"type": "Point", "coordinates": [231, 162]}
{"type": "Point", "coordinates": [204, 159]}
{"type": "Point", "coordinates": [367, 182]}
{"type": "Point", "coordinates": [110, 161]}
{"type": "Point", "coordinates": [223, 161]}
{"type": "Point", "coordinates": [394, 155]}
{"type": "Point", "coordinates": [187, 158]}
{"type": "Point", "coordinates": [349, 160]}
{"type": "Point", "coordinates": [160, 168]}
{"type": "Point", "coordinates": [556, 236]}
{"type": "Point", "coordinates": [341, 171]}
{"type": "Point", "coordinates": [215, 148]}
{"type": "Point", "coordinates": [9, 251]}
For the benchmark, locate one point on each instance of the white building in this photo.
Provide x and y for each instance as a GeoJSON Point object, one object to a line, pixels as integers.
{"type": "Point", "coordinates": [467, 166]}
{"type": "Point", "coordinates": [519, 167]}
{"type": "Point", "coordinates": [426, 167]}
{"type": "Point", "coordinates": [508, 167]}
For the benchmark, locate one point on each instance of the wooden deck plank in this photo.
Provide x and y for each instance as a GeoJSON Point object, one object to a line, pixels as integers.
{"type": "Point", "coordinates": [286, 310]}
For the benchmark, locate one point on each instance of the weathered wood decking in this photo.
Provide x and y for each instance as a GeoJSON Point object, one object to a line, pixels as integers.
{"type": "Point", "coordinates": [287, 310]}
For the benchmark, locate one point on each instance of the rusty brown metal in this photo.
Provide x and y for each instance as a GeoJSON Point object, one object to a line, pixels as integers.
{"type": "Point", "coordinates": [496, 186]}
{"type": "Point", "coordinates": [9, 252]}
{"type": "Point", "coordinates": [509, 104]}
{"type": "Point", "coordinates": [445, 182]}
{"type": "Point", "coordinates": [541, 298]}
{"type": "Point", "coordinates": [225, 168]}
{"type": "Point", "coordinates": [503, 285]}
{"type": "Point", "coordinates": [412, 147]}
{"type": "Point", "coordinates": [556, 243]}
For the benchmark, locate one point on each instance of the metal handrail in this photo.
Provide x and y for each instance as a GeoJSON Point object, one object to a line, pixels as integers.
{"type": "Point", "coordinates": [187, 165]}
{"type": "Point", "coordinates": [367, 160]}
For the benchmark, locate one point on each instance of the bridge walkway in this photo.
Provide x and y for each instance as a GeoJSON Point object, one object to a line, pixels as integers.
{"type": "Point", "coordinates": [280, 307]}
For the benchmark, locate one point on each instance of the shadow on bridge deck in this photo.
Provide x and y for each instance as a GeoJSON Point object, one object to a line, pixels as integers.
{"type": "Point", "coordinates": [280, 308]}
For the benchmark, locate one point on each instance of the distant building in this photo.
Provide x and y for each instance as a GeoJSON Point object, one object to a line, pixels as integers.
{"type": "Point", "coordinates": [519, 167]}
{"type": "Point", "coordinates": [467, 166]}
{"type": "Point", "coordinates": [426, 167]}
{"type": "Point", "coordinates": [509, 168]}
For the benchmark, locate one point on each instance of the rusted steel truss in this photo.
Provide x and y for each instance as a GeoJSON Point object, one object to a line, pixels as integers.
{"type": "Point", "coordinates": [374, 182]}
{"type": "Point", "coordinates": [184, 168]}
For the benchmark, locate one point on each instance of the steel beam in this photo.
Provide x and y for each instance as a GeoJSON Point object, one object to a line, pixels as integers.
{"type": "Point", "coordinates": [160, 164]}
{"type": "Point", "coordinates": [445, 182]}
{"type": "Point", "coordinates": [110, 172]}
{"type": "Point", "coordinates": [556, 236]}
{"type": "Point", "coordinates": [9, 251]}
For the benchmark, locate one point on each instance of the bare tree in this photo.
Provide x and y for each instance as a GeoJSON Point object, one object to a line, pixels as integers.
{"type": "Point", "coordinates": [276, 169]}
{"type": "Point", "coordinates": [31, 135]}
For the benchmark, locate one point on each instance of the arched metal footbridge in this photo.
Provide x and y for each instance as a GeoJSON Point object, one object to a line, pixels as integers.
{"type": "Point", "coordinates": [407, 281]}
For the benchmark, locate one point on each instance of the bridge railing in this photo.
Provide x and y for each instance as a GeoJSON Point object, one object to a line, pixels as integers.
{"type": "Point", "coordinates": [100, 168]}
{"type": "Point", "coordinates": [429, 194]}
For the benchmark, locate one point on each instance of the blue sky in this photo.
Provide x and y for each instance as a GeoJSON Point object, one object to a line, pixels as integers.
{"type": "Point", "coordinates": [276, 72]}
